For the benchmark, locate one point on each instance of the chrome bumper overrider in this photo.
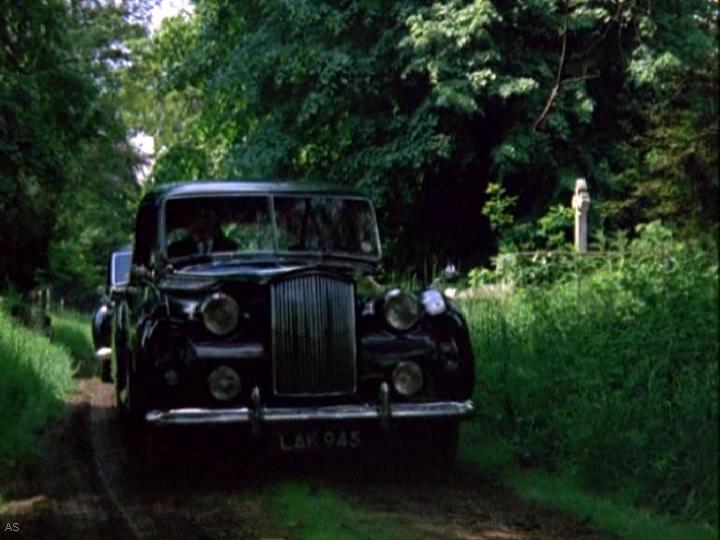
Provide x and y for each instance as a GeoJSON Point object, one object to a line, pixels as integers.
{"type": "Point", "coordinates": [263, 415]}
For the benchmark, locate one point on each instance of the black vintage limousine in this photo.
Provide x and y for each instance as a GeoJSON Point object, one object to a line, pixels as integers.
{"type": "Point", "coordinates": [252, 304]}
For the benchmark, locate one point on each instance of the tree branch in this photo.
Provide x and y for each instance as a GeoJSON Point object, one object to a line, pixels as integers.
{"type": "Point", "coordinates": [558, 79]}
{"type": "Point", "coordinates": [580, 78]}
{"type": "Point", "coordinates": [603, 35]}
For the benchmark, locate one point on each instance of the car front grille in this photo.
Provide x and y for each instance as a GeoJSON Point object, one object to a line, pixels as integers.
{"type": "Point", "coordinates": [313, 336]}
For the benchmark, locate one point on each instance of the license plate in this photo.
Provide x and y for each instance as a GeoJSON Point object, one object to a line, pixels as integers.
{"type": "Point", "coordinates": [320, 439]}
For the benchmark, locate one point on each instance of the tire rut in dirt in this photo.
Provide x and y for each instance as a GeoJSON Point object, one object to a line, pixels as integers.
{"type": "Point", "coordinates": [208, 496]}
{"type": "Point", "coordinates": [111, 465]}
{"type": "Point", "coordinates": [181, 498]}
{"type": "Point", "coordinates": [80, 505]}
{"type": "Point", "coordinates": [449, 502]}
{"type": "Point", "coordinates": [61, 496]}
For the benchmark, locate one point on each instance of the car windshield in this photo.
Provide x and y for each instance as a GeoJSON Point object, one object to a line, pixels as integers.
{"type": "Point", "coordinates": [312, 224]}
{"type": "Point", "coordinates": [328, 225]}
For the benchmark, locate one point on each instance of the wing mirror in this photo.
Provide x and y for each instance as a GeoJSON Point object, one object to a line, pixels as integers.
{"type": "Point", "coordinates": [450, 273]}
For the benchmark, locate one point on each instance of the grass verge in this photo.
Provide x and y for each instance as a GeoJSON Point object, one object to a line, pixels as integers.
{"type": "Point", "coordinates": [72, 331]}
{"type": "Point", "coordinates": [36, 375]}
{"type": "Point", "coordinates": [606, 381]}
{"type": "Point", "coordinates": [304, 512]}
{"type": "Point", "coordinates": [614, 513]}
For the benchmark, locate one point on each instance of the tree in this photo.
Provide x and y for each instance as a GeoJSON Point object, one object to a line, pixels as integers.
{"type": "Point", "coordinates": [64, 158]}
{"type": "Point", "coordinates": [424, 104]}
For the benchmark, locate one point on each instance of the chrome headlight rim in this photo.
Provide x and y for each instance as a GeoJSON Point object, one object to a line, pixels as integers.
{"type": "Point", "coordinates": [214, 327]}
{"type": "Point", "coordinates": [406, 369]}
{"type": "Point", "coordinates": [392, 305]}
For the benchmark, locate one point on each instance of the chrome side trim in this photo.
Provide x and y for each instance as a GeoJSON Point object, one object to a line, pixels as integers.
{"type": "Point", "coordinates": [269, 415]}
{"type": "Point", "coordinates": [229, 352]}
{"type": "Point", "coordinates": [199, 416]}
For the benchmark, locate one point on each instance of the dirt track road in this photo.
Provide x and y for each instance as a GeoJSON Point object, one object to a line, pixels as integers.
{"type": "Point", "coordinates": [85, 489]}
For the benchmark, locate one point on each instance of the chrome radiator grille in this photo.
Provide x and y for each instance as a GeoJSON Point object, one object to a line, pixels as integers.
{"type": "Point", "coordinates": [313, 336]}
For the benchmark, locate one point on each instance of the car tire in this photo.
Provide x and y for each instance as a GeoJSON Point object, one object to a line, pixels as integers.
{"type": "Point", "coordinates": [435, 442]}
{"type": "Point", "coordinates": [121, 362]}
{"type": "Point", "coordinates": [444, 444]}
{"type": "Point", "coordinates": [106, 371]}
{"type": "Point", "coordinates": [140, 436]}
{"type": "Point", "coordinates": [141, 448]}
{"type": "Point", "coordinates": [134, 399]}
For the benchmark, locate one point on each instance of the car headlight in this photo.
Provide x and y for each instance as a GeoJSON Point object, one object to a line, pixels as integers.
{"type": "Point", "coordinates": [171, 377]}
{"type": "Point", "coordinates": [407, 378]}
{"type": "Point", "coordinates": [434, 302]}
{"type": "Point", "coordinates": [224, 383]}
{"type": "Point", "coordinates": [220, 314]}
{"type": "Point", "coordinates": [402, 309]}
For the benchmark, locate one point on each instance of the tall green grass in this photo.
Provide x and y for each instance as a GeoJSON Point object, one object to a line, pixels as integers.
{"type": "Point", "coordinates": [35, 376]}
{"type": "Point", "coordinates": [72, 331]}
{"type": "Point", "coordinates": [610, 375]}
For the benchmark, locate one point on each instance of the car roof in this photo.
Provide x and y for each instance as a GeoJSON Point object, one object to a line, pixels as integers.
{"type": "Point", "coordinates": [181, 189]}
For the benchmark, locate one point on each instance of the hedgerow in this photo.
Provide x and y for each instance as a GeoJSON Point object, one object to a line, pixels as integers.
{"type": "Point", "coordinates": [609, 372]}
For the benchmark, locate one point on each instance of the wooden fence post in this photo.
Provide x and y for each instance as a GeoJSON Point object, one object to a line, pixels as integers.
{"type": "Point", "coordinates": [581, 205]}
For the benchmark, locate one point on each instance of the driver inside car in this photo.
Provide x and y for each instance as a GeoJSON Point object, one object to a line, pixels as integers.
{"type": "Point", "coordinates": [205, 237]}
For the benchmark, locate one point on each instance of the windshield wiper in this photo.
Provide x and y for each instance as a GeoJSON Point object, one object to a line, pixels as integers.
{"type": "Point", "coordinates": [190, 259]}
{"type": "Point", "coordinates": [223, 257]}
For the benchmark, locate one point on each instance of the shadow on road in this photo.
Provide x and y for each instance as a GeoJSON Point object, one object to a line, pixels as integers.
{"type": "Point", "coordinates": [211, 484]}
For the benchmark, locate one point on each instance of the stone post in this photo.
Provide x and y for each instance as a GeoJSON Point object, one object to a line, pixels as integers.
{"type": "Point", "coordinates": [581, 205]}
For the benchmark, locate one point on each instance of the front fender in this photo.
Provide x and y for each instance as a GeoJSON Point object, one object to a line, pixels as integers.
{"type": "Point", "coordinates": [102, 326]}
{"type": "Point", "coordinates": [439, 343]}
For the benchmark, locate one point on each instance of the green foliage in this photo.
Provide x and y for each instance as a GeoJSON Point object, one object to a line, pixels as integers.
{"type": "Point", "coordinates": [543, 267]}
{"type": "Point", "coordinates": [551, 231]}
{"type": "Point", "coordinates": [672, 169]}
{"type": "Point", "coordinates": [453, 116]}
{"type": "Point", "coordinates": [608, 369]}
{"type": "Point", "coordinates": [453, 46]}
{"type": "Point", "coordinates": [497, 207]}
{"type": "Point", "coordinates": [72, 332]}
{"type": "Point", "coordinates": [36, 376]}
{"type": "Point", "coordinates": [555, 225]}
{"type": "Point", "coordinates": [65, 163]}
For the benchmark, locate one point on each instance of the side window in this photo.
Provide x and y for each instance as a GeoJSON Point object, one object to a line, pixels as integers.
{"type": "Point", "coordinates": [145, 235]}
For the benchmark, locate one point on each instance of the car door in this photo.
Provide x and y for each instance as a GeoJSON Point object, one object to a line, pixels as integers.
{"type": "Point", "coordinates": [136, 293]}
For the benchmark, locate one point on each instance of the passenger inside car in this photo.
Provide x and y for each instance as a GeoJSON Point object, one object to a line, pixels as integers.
{"type": "Point", "coordinates": [205, 237]}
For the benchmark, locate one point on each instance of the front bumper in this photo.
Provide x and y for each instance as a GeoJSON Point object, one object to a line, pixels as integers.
{"type": "Point", "coordinates": [255, 416]}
